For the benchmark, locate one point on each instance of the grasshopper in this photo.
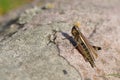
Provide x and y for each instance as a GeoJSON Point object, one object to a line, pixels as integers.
{"type": "Point", "coordinates": [84, 47]}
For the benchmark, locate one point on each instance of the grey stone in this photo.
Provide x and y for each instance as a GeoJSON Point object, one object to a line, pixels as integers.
{"type": "Point", "coordinates": [26, 56]}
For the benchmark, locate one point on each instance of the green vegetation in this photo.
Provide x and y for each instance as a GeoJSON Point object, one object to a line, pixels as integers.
{"type": "Point", "coordinates": [115, 75]}
{"type": "Point", "coordinates": [7, 5]}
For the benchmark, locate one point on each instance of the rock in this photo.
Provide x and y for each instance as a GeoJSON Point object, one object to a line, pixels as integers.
{"type": "Point", "coordinates": [28, 15]}
{"type": "Point", "coordinates": [27, 55]}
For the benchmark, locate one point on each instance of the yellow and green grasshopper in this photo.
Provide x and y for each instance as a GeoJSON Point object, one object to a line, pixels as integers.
{"type": "Point", "coordinates": [83, 46]}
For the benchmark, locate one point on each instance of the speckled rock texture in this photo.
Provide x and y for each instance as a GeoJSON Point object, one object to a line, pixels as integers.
{"type": "Point", "coordinates": [26, 55]}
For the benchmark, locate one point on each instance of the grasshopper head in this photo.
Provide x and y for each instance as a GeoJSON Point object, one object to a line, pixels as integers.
{"type": "Point", "coordinates": [75, 31]}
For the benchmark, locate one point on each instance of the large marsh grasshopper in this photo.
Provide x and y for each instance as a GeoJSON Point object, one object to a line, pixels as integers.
{"type": "Point", "coordinates": [84, 47]}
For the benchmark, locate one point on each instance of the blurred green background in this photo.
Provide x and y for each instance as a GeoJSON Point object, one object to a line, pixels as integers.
{"type": "Point", "coordinates": [7, 5]}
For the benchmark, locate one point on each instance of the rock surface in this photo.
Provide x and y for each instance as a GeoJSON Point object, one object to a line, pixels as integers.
{"type": "Point", "coordinates": [26, 56]}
